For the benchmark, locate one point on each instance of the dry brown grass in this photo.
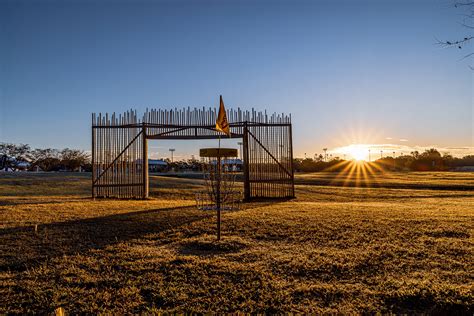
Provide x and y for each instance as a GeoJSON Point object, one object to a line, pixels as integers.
{"type": "Point", "coordinates": [373, 248]}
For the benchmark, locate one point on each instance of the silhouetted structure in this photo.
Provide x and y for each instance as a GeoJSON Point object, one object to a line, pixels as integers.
{"type": "Point", "coordinates": [120, 148]}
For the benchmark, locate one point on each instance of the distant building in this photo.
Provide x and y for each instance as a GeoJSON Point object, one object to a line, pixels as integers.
{"type": "Point", "coordinates": [11, 164]}
{"type": "Point", "coordinates": [465, 168]}
{"type": "Point", "coordinates": [234, 164]}
{"type": "Point", "coordinates": [23, 165]}
{"type": "Point", "coordinates": [157, 165]}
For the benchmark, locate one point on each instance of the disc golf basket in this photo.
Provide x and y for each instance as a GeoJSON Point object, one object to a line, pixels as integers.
{"type": "Point", "coordinates": [220, 171]}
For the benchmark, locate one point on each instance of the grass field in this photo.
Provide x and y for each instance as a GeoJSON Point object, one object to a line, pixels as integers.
{"type": "Point", "coordinates": [399, 242]}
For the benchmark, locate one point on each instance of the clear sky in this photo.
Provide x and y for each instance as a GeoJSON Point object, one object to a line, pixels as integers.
{"type": "Point", "coordinates": [348, 71]}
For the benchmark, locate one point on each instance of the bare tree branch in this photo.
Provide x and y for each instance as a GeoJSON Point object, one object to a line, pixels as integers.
{"type": "Point", "coordinates": [463, 4]}
{"type": "Point", "coordinates": [468, 23]}
{"type": "Point", "coordinates": [467, 56]}
{"type": "Point", "coordinates": [458, 43]}
{"type": "Point", "coordinates": [467, 26]}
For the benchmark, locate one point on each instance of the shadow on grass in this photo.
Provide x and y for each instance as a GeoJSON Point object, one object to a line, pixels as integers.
{"type": "Point", "coordinates": [23, 247]}
{"type": "Point", "coordinates": [425, 303]}
{"type": "Point", "coordinates": [211, 247]}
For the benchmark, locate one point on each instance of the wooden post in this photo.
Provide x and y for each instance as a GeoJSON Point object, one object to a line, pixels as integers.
{"type": "Point", "coordinates": [145, 162]}
{"type": "Point", "coordinates": [246, 163]}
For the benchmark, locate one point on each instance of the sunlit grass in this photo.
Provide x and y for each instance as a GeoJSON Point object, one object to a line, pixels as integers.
{"type": "Point", "coordinates": [359, 171]}
{"type": "Point", "coordinates": [334, 249]}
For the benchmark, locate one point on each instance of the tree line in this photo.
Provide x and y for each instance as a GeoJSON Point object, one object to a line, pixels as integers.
{"type": "Point", "coordinates": [429, 160]}
{"type": "Point", "coordinates": [23, 157]}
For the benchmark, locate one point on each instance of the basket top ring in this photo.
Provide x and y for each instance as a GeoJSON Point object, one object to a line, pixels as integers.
{"type": "Point", "coordinates": [218, 152]}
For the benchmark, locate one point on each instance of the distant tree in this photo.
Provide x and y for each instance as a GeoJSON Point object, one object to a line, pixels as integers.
{"type": "Point", "coordinates": [468, 160]}
{"type": "Point", "coordinates": [431, 154]}
{"type": "Point", "coordinates": [404, 162]}
{"type": "Point", "coordinates": [71, 159]}
{"type": "Point", "coordinates": [430, 159]}
{"type": "Point", "coordinates": [11, 155]}
{"type": "Point", "coordinates": [461, 162]}
{"type": "Point", "coordinates": [47, 159]}
{"type": "Point", "coordinates": [447, 156]}
{"type": "Point", "coordinates": [386, 163]}
{"type": "Point", "coordinates": [319, 157]}
{"type": "Point", "coordinates": [448, 159]}
{"type": "Point", "coordinates": [415, 154]}
{"type": "Point", "coordinates": [87, 167]}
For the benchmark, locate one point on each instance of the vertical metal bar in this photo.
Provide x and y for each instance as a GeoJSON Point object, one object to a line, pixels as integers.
{"type": "Point", "coordinates": [290, 138]}
{"type": "Point", "coordinates": [145, 162]}
{"type": "Point", "coordinates": [93, 158]}
{"type": "Point", "coordinates": [246, 163]}
{"type": "Point", "coordinates": [115, 153]}
{"type": "Point", "coordinates": [107, 154]}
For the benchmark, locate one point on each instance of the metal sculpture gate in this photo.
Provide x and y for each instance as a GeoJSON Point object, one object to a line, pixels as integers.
{"type": "Point", "coordinates": [120, 149]}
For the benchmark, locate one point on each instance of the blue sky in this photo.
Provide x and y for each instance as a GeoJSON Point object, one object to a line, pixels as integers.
{"type": "Point", "coordinates": [347, 71]}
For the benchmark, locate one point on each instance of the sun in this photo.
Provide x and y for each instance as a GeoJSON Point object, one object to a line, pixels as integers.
{"type": "Point", "coordinates": [355, 171]}
{"type": "Point", "coordinates": [358, 152]}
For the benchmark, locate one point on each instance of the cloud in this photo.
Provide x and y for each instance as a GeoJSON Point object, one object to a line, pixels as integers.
{"type": "Point", "coordinates": [403, 140]}
{"type": "Point", "coordinates": [459, 148]}
{"type": "Point", "coordinates": [388, 138]}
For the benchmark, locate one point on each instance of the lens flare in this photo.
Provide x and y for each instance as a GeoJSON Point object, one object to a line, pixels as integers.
{"type": "Point", "coordinates": [358, 152]}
